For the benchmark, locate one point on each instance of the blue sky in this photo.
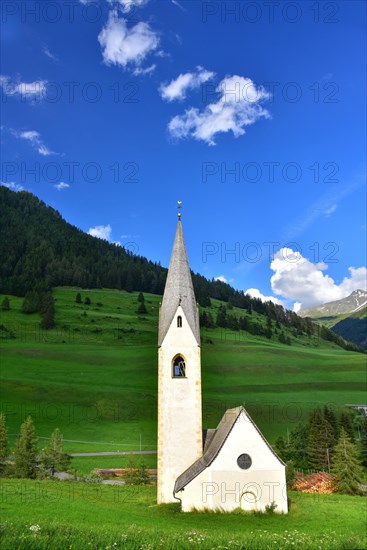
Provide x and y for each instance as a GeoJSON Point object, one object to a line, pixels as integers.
{"type": "Point", "coordinates": [253, 114]}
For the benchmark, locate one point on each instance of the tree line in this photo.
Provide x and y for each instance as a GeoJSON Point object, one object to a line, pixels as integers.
{"type": "Point", "coordinates": [327, 442]}
{"type": "Point", "coordinates": [25, 462]}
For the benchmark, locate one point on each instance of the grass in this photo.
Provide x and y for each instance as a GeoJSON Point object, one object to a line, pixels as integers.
{"type": "Point", "coordinates": [85, 464]}
{"type": "Point", "coordinates": [80, 515]}
{"type": "Point", "coordinates": [95, 375]}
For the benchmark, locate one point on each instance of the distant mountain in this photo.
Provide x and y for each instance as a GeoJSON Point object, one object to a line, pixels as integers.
{"type": "Point", "coordinates": [351, 304]}
{"type": "Point", "coordinates": [346, 317]}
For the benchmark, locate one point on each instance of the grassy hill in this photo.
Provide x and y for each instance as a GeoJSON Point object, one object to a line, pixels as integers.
{"type": "Point", "coordinates": [80, 515]}
{"type": "Point", "coordinates": [95, 374]}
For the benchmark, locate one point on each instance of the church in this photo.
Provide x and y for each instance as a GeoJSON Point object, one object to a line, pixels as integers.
{"type": "Point", "coordinates": [228, 467]}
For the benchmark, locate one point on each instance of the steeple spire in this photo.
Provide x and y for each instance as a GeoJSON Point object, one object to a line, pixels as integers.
{"type": "Point", "coordinates": [179, 289]}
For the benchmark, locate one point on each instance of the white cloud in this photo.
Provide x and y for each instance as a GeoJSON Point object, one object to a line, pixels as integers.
{"type": "Point", "coordinates": [296, 278]}
{"type": "Point", "coordinates": [331, 210]}
{"type": "Point", "coordinates": [149, 70]}
{"type": "Point", "coordinates": [125, 46]}
{"type": "Point", "coordinates": [101, 231]}
{"type": "Point", "coordinates": [255, 293]}
{"type": "Point", "coordinates": [178, 5]}
{"type": "Point", "coordinates": [28, 90]}
{"type": "Point", "coordinates": [127, 5]}
{"type": "Point", "coordinates": [237, 107]}
{"type": "Point", "coordinates": [221, 278]}
{"type": "Point", "coordinates": [35, 140]}
{"type": "Point", "coordinates": [62, 185]}
{"type": "Point", "coordinates": [178, 87]}
{"type": "Point", "coordinates": [47, 52]}
{"type": "Point", "coordinates": [11, 185]}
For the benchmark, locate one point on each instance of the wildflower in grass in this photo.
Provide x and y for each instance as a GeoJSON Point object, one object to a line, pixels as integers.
{"type": "Point", "coordinates": [35, 528]}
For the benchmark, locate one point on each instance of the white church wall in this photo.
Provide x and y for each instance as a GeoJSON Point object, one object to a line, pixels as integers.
{"type": "Point", "coordinates": [225, 486]}
{"type": "Point", "coordinates": [245, 438]}
{"type": "Point", "coordinates": [179, 407]}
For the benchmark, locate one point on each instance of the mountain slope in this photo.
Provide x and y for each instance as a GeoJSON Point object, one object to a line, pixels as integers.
{"type": "Point", "coordinates": [39, 250]}
{"type": "Point", "coordinates": [346, 317]}
{"type": "Point", "coordinates": [352, 303]}
{"type": "Point", "coordinates": [354, 328]}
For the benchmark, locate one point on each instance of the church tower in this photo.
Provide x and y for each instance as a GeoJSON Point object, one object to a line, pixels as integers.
{"type": "Point", "coordinates": [179, 374]}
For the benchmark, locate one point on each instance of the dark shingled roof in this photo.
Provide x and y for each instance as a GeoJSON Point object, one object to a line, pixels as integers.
{"type": "Point", "coordinates": [213, 444]}
{"type": "Point", "coordinates": [178, 290]}
{"type": "Point", "coordinates": [207, 437]}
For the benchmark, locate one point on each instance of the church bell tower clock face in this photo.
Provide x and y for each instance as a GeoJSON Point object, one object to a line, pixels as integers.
{"type": "Point", "coordinates": [179, 373]}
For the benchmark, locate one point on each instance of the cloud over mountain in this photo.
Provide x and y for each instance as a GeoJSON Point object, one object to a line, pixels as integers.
{"type": "Point", "coordinates": [296, 278]}
{"type": "Point", "coordinates": [101, 231]}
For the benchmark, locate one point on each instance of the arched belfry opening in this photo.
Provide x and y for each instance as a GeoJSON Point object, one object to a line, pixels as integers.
{"type": "Point", "coordinates": [179, 321]}
{"type": "Point", "coordinates": [179, 367]}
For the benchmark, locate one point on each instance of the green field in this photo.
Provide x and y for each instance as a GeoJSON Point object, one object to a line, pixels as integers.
{"type": "Point", "coordinates": [95, 375]}
{"type": "Point", "coordinates": [81, 515]}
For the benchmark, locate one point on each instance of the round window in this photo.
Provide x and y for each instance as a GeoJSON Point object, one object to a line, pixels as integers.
{"type": "Point", "coordinates": [244, 461]}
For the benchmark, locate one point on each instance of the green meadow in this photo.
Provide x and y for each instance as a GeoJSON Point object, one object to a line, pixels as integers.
{"type": "Point", "coordinates": [62, 515]}
{"type": "Point", "coordinates": [95, 374]}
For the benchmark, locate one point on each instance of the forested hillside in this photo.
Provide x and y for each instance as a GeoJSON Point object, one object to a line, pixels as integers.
{"type": "Point", "coordinates": [39, 250]}
{"type": "Point", "coordinates": [354, 328]}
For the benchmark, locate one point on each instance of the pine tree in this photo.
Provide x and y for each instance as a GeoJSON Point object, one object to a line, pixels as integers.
{"type": "Point", "coordinates": [331, 417]}
{"type": "Point", "coordinates": [203, 319]}
{"type": "Point", "coordinates": [320, 441]}
{"type": "Point", "coordinates": [87, 301]}
{"type": "Point", "coordinates": [78, 298]}
{"type": "Point", "coordinates": [5, 304]}
{"type": "Point", "coordinates": [347, 424]}
{"type": "Point", "coordinates": [31, 302]}
{"type": "Point", "coordinates": [129, 284]}
{"type": "Point", "coordinates": [298, 438]}
{"type": "Point", "coordinates": [211, 323]}
{"type": "Point", "coordinates": [282, 339]}
{"type": "Point", "coordinates": [282, 449]}
{"type": "Point", "coordinates": [347, 466]}
{"type": "Point", "coordinates": [222, 317]}
{"type": "Point", "coordinates": [52, 457]}
{"type": "Point", "coordinates": [243, 322]}
{"type": "Point", "coordinates": [48, 311]}
{"type": "Point", "coordinates": [130, 471]}
{"type": "Point", "coordinates": [142, 309]}
{"type": "Point", "coordinates": [142, 474]}
{"type": "Point", "coordinates": [25, 452]}
{"type": "Point", "coordinates": [204, 300]}
{"type": "Point", "coordinates": [141, 297]}
{"type": "Point", "coordinates": [3, 443]}
{"type": "Point", "coordinates": [364, 442]}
